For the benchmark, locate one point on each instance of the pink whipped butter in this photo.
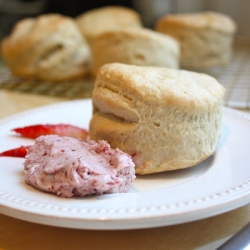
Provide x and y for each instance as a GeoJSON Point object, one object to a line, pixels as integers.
{"type": "Point", "coordinates": [70, 167]}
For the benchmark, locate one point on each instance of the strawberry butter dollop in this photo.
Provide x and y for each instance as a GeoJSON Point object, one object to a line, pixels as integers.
{"type": "Point", "coordinates": [68, 167]}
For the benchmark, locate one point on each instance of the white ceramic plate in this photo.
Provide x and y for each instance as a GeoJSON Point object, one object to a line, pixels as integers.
{"type": "Point", "coordinates": [219, 184]}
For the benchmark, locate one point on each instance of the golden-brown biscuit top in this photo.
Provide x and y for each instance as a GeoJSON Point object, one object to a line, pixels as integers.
{"type": "Point", "coordinates": [96, 21]}
{"type": "Point", "coordinates": [119, 84]}
{"type": "Point", "coordinates": [30, 31]}
{"type": "Point", "coordinates": [199, 20]}
{"type": "Point", "coordinates": [141, 35]}
{"type": "Point", "coordinates": [48, 47]}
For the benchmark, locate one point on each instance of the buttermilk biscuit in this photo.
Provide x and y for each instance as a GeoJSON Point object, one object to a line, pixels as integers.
{"type": "Point", "coordinates": [135, 46]}
{"type": "Point", "coordinates": [49, 47]}
{"type": "Point", "coordinates": [206, 38]}
{"type": "Point", "coordinates": [94, 22]}
{"type": "Point", "coordinates": [165, 119]}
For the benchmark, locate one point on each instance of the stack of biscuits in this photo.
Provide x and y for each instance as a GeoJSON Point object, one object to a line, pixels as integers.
{"type": "Point", "coordinates": [57, 48]}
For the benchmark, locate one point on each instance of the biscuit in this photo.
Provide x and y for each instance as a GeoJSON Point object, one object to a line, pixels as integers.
{"type": "Point", "coordinates": [142, 47]}
{"type": "Point", "coordinates": [96, 21]}
{"type": "Point", "coordinates": [206, 38]}
{"type": "Point", "coordinates": [49, 47]}
{"type": "Point", "coordinates": [166, 119]}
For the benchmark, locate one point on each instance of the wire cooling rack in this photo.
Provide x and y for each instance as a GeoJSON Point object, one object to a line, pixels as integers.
{"type": "Point", "coordinates": [235, 77]}
{"type": "Point", "coordinates": [73, 89]}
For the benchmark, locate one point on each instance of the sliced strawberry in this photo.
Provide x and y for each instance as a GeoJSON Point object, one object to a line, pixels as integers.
{"type": "Point", "coordinates": [16, 152]}
{"type": "Point", "coordinates": [35, 131]}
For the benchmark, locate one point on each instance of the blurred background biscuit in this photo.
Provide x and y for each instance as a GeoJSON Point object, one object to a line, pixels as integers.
{"type": "Point", "coordinates": [49, 47]}
{"type": "Point", "coordinates": [206, 38]}
{"type": "Point", "coordinates": [96, 21]}
{"type": "Point", "coordinates": [142, 46]}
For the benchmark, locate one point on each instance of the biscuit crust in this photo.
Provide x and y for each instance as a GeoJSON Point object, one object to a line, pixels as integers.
{"type": "Point", "coordinates": [165, 119]}
{"type": "Point", "coordinates": [49, 47]}
{"type": "Point", "coordinates": [94, 22]}
{"type": "Point", "coordinates": [141, 47]}
{"type": "Point", "coordinates": [206, 38]}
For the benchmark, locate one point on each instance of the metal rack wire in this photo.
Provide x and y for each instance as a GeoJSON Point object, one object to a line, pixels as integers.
{"type": "Point", "coordinates": [73, 89]}
{"type": "Point", "coordinates": [235, 77]}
